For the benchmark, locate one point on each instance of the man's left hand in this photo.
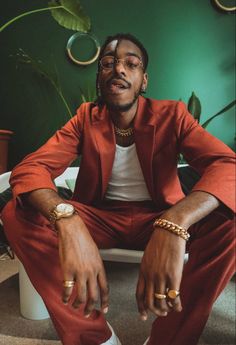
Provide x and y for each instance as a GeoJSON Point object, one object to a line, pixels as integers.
{"type": "Point", "coordinates": [161, 269]}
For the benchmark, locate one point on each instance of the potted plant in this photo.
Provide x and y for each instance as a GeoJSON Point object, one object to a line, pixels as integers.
{"type": "Point", "coordinates": [5, 136]}
{"type": "Point", "coordinates": [69, 14]}
{"type": "Point", "coordinates": [187, 175]}
{"type": "Point", "coordinates": [194, 107]}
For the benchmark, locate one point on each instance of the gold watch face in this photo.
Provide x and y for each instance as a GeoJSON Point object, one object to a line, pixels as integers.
{"type": "Point", "coordinates": [64, 208]}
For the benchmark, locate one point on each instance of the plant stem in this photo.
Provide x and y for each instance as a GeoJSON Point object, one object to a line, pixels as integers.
{"type": "Point", "coordinates": [61, 95]}
{"type": "Point", "coordinates": [27, 13]}
{"type": "Point", "coordinates": [65, 103]}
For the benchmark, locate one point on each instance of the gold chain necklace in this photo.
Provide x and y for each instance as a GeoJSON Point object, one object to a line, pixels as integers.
{"type": "Point", "coordinates": [124, 132]}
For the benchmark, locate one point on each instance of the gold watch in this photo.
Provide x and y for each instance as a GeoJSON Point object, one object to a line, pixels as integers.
{"type": "Point", "coordinates": [62, 210]}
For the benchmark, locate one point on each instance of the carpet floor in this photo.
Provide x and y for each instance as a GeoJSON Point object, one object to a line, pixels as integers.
{"type": "Point", "coordinates": [123, 316]}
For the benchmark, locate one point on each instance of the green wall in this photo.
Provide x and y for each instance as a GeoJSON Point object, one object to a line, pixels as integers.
{"type": "Point", "coordinates": [191, 48]}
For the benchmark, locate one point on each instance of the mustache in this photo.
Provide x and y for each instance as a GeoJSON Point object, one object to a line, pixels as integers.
{"type": "Point", "coordinates": [109, 81]}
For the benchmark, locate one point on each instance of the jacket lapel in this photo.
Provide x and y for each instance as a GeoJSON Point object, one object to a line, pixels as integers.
{"type": "Point", "coordinates": [145, 127]}
{"type": "Point", "coordinates": [105, 139]}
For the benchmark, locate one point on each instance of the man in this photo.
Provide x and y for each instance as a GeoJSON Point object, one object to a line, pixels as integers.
{"type": "Point", "coordinates": [127, 195]}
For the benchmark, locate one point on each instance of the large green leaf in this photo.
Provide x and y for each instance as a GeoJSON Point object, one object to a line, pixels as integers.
{"type": "Point", "coordinates": [194, 106]}
{"type": "Point", "coordinates": [222, 111]}
{"type": "Point", "coordinates": [71, 15]}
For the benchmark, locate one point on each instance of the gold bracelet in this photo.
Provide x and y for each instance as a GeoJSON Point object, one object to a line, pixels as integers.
{"type": "Point", "coordinates": [172, 227]}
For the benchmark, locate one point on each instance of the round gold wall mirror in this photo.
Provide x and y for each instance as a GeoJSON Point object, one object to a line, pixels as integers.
{"type": "Point", "coordinates": [226, 5]}
{"type": "Point", "coordinates": [74, 39]}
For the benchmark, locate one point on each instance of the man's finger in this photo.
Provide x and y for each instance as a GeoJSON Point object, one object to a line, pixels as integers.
{"type": "Point", "coordinates": [81, 293]}
{"type": "Point", "coordinates": [172, 301]}
{"type": "Point", "coordinates": [104, 291]}
{"type": "Point", "coordinates": [140, 298]}
{"type": "Point", "coordinates": [160, 298]}
{"type": "Point", "coordinates": [92, 296]}
{"type": "Point", "coordinates": [150, 300]}
{"type": "Point", "coordinates": [68, 285]}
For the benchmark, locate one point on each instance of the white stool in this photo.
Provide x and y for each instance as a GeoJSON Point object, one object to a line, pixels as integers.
{"type": "Point", "coordinates": [31, 304]}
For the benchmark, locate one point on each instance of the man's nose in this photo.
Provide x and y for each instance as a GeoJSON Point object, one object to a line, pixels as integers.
{"type": "Point", "coordinates": [119, 67]}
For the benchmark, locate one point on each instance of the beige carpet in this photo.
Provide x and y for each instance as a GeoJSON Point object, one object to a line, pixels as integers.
{"type": "Point", "coordinates": [8, 340]}
{"type": "Point", "coordinates": [15, 330]}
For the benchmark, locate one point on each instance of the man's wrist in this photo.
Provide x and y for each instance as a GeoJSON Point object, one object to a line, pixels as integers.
{"type": "Point", "coordinates": [180, 218]}
{"type": "Point", "coordinates": [67, 219]}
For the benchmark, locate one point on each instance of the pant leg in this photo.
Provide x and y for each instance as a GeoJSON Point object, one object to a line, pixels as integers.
{"type": "Point", "coordinates": [36, 245]}
{"type": "Point", "coordinates": [210, 266]}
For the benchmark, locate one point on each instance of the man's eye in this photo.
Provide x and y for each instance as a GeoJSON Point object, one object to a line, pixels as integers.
{"type": "Point", "coordinates": [131, 64]}
{"type": "Point", "coordinates": [108, 64]}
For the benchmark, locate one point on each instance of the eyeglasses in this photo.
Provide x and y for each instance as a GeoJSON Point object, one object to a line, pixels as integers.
{"type": "Point", "coordinates": [130, 62]}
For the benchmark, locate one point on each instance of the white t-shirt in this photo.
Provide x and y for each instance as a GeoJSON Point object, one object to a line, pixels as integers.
{"type": "Point", "coordinates": [127, 182]}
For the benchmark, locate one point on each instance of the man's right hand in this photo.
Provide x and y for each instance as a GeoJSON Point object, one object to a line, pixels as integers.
{"type": "Point", "coordinates": [81, 262]}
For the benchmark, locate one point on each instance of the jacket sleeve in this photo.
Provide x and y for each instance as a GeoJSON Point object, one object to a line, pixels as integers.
{"type": "Point", "coordinates": [211, 158]}
{"type": "Point", "coordinates": [40, 168]}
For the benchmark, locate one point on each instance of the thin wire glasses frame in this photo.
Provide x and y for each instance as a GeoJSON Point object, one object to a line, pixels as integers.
{"type": "Point", "coordinates": [132, 62]}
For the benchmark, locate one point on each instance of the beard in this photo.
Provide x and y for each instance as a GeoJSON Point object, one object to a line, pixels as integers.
{"type": "Point", "coordinates": [119, 107]}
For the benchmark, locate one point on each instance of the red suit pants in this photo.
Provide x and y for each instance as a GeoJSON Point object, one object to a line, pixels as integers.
{"type": "Point", "coordinates": [125, 225]}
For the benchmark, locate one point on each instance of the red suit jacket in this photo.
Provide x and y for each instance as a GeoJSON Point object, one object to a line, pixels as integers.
{"type": "Point", "coordinates": [162, 129]}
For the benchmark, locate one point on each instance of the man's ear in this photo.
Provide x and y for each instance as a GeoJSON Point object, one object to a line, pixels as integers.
{"type": "Point", "coordinates": [145, 82]}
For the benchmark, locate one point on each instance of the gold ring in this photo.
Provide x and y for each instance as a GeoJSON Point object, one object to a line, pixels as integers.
{"type": "Point", "coordinates": [159, 296]}
{"type": "Point", "coordinates": [68, 283]}
{"type": "Point", "coordinates": [173, 293]}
